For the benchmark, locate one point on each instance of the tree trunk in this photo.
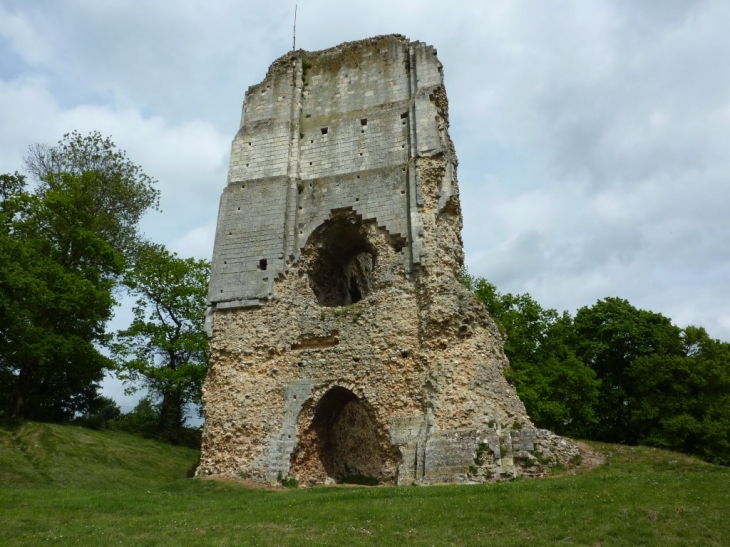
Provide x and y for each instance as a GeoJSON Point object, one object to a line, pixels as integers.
{"type": "Point", "coordinates": [164, 410]}
{"type": "Point", "coordinates": [178, 409]}
{"type": "Point", "coordinates": [17, 402]}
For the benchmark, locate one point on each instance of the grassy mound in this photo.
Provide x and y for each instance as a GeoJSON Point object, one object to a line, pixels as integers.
{"type": "Point", "coordinates": [71, 486]}
{"type": "Point", "coordinates": [67, 456]}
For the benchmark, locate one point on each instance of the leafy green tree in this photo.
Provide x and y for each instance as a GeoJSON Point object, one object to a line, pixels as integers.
{"type": "Point", "coordinates": [166, 348]}
{"type": "Point", "coordinates": [682, 402]}
{"type": "Point", "coordinates": [610, 336]}
{"type": "Point", "coordinates": [62, 249]}
{"type": "Point", "coordinates": [118, 191]}
{"type": "Point", "coordinates": [558, 390]}
{"type": "Point", "coordinates": [649, 382]}
{"type": "Point", "coordinates": [56, 296]}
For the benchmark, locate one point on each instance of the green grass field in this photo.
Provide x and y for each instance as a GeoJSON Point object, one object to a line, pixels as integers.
{"type": "Point", "coordinates": [65, 485]}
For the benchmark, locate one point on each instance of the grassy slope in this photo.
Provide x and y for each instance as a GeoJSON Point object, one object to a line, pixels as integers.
{"type": "Point", "coordinates": [101, 488]}
{"type": "Point", "coordinates": [64, 456]}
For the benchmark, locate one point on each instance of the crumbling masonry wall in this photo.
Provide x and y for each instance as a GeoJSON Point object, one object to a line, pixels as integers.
{"type": "Point", "coordinates": [343, 346]}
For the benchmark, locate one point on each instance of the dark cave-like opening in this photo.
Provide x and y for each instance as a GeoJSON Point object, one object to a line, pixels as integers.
{"type": "Point", "coordinates": [342, 269]}
{"type": "Point", "coordinates": [347, 441]}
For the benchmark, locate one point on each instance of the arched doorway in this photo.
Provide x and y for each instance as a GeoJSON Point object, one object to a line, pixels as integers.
{"type": "Point", "coordinates": [343, 443]}
{"type": "Point", "coordinates": [340, 272]}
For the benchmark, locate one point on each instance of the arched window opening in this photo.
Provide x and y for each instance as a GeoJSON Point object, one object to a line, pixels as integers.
{"type": "Point", "coordinates": [341, 271]}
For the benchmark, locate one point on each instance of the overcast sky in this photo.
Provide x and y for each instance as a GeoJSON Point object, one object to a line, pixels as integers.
{"type": "Point", "coordinates": [593, 136]}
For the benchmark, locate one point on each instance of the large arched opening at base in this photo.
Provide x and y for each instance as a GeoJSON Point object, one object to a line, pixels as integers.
{"type": "Point", "coordinates": [344, 444]}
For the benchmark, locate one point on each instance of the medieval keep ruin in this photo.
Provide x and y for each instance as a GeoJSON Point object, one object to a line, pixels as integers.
{"type": "Point", "coordinates": [343, 346]}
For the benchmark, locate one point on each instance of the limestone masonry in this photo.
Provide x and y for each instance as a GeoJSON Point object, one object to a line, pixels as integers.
{"type": "Point", "coordinates": [343, 346]}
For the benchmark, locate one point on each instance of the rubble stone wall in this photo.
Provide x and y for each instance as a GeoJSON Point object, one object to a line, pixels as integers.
{"type": "Point", "coordinates": [343, 345]}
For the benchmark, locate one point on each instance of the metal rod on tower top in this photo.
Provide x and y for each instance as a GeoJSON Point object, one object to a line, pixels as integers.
{"type": "Point", "coordinates": [294, 44]}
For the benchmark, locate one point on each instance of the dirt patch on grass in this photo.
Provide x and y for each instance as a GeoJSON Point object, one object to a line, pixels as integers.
{"type": "Point", "coordinates": [590, 458]}
{"type": "Point", "coordinates": [239, 481]}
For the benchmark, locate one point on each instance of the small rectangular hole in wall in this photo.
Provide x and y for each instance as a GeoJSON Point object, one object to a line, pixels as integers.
{"type": "Point", "coordinates": [249, 143]}
{"type": "Point", "coordinates": [404, 115]}
{"type": "Point", "coordinates": [361, 153]}
{"type": "Point", "coordinates": [324, 130]}
{"type": "Point", "coordinates": [364, 121]}
{"type": "Point", "coordinates": [262, 264]}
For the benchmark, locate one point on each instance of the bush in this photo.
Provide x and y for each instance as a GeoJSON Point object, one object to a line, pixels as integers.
{"type": "Point", "coordinates": [146, 413]}
{"type": "Point", "coordinates": [101, 411]}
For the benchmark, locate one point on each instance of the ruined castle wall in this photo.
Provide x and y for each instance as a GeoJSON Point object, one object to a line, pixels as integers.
{"type": "Point", "coordinates": [342, 342]}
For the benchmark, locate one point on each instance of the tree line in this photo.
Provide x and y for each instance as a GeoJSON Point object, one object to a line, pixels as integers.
{"type": "Point", "coordinates": [616, 373]}
{"type": "Point", "coordinates": [70, 246]}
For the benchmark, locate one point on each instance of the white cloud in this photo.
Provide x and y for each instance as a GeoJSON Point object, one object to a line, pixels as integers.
{"type": "Point", "coordinates": [19, 30]}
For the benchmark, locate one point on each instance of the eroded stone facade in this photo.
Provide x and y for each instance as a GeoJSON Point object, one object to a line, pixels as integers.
{"type": "Point", "coordinates": [343, 346]}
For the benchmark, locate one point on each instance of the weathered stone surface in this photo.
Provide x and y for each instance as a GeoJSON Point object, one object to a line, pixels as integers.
{"type": "Point", "coordinates": [342, 344]}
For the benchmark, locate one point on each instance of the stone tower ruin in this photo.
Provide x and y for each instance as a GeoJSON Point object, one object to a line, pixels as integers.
{"type": "Point", "coordinates": [343, 345]}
